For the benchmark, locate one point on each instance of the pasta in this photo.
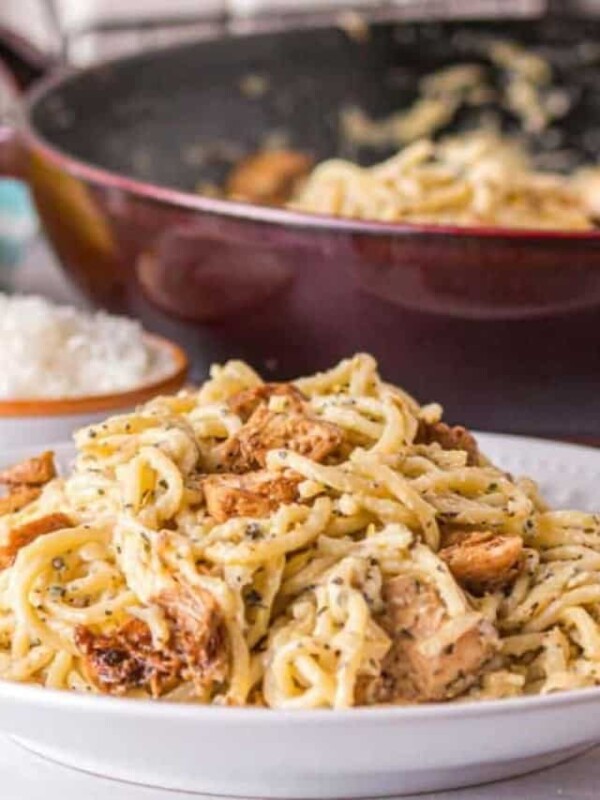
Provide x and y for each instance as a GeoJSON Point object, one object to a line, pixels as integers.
{"type": "Point", "coordinates": [514, 79]}
{"type": "Point", "coordinates": [323, 543]}
{"type": "Point", "coordinates": [478, 178]}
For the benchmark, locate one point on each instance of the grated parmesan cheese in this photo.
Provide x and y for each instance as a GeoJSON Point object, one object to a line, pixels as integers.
{"type": "Point", "coordinates": [53, 351]}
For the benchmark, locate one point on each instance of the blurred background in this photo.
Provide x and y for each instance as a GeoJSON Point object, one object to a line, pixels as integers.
{"type": "Point", "coordinates": [84, 30]}
{"type": "Point", "coordinates": [81, 32]}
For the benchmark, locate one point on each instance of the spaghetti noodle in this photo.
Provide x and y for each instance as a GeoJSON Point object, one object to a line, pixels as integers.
{"type": "Point", "coordinates": [479, 178]}
{"type": "Point", "coordinates": [326, 543]}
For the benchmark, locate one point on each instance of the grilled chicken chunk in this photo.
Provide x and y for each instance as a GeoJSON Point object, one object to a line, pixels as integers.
{"type": "Point", "coordinates": [254, 494]}
{"type": "Point", "coordinates": [416, 669]}
{"type": "Point", "coordinates": [245, 403]}
{"type": "Point", "coordinates": [126, 659]}
{"type": "Point", "coordinates": [267, 430]}
{"type": "Point", "coordinates": [32, 472]}
{"type": "Point", "coordinates": [482, 561]}
{"type": "Point", "coordinates": [25, 534]}
{"type": "Point", "coordinates": [198, 634]}
{"type": "Point", "coordinates": [449, 438]}
{"type": "Point", "coordinates": [268, 177]}
{"type": "Point", "coordinates": [19, 497]}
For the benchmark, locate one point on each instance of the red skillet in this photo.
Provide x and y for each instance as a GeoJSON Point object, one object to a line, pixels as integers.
{"type": "Point", "coordinates": [113, 153]}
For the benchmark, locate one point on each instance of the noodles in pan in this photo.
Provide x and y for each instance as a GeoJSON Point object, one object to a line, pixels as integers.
{"type": "Point", "coordinates": [479, 179]}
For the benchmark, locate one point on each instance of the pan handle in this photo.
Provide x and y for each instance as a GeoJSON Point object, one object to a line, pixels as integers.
{"type": "Point", "coordinates": [25, 62]}
{"type": "Point", "coordinates": [10, 161]}
{"type": "Point", "coordinates": [21, 65]}
{"type": "Point", "coordinates": [11, 165]}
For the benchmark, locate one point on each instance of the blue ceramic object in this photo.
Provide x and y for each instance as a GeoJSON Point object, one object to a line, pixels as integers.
{"type": "Point", "coordinates": [18, 224]}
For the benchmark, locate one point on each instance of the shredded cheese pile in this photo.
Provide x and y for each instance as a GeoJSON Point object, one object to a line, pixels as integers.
{"type": "Point", "coordinates": [52, 351]}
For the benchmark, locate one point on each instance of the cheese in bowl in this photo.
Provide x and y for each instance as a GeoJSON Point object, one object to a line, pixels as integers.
{"type": "Point", "coordinates": [61, 367]}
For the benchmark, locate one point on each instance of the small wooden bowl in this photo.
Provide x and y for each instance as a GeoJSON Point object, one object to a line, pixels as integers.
{"type": "Point", "coordinates": [34, 421]}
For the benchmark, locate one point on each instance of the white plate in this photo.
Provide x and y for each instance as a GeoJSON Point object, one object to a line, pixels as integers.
{"type": "Point", "coordinates": [325, 754]}
{"type": "Point", "coordinates": [18, 433]}
{"type": "Point", "coordinates": [25, 776]}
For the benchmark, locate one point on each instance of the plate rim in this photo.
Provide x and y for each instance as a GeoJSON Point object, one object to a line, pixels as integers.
{"type": "Point", "coordinates": [54, 699]}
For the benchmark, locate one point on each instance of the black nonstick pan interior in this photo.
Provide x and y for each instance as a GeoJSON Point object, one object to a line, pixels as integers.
{"type": "Point", "coordinates": [181, 116]}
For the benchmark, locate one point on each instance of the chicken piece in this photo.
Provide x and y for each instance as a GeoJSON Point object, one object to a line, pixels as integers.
{"type": "Point", "coordinates": [449, 438]}
{"type": "Point", "coordinates": [268, 177]}
{"type": "Point", "coordinates": [245, 403]}
{"type": "Point", "coordinates": [267, 430]}
{"type": "Point", "coordinates": [199, 635]}
{"type": "Point", "coordinates": [412, 670]}
{"type": "Point", "coordinates": [126, 659]}
{"type": "Point", "coordinates": [254, 494]}
{"type": "Point", "coordinates": [20, 497]}
{"type": "Point", "coordinates": [32, 472]}
{"type": "Point", "coordinates": [25, 534]}
{"type": "Point", "coordinates": [482, 561]}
